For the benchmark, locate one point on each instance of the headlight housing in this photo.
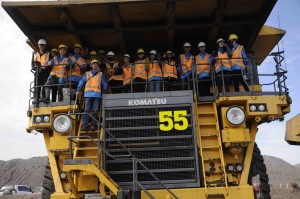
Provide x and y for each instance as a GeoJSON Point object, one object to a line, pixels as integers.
{"type": "Point", "coordinates": [235, 115]}
{"type": "Point", "coordinates": [62, 123]}
{"type": "Point", "coordinates": [258, 107]}
{"type": "Point", "coordinates": [38, 119]}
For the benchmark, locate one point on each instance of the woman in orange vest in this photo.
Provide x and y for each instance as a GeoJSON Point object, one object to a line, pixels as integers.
{"type": "Point", "coordinates": [223, 65]}
{"type": "Point", "coordinates": [238, 62]}
{"type": "Point", "coordinates": [139, 71]}
{"type": "Point", "coordinates": [58, 73]}
{"type": "Point", "coordinates": [95, 86]}
{"type": "Point", "coordinates": [202, 69]}
{"type": "Point", "coordinates": [170, 71]}
{"type": "Point", "coordinates": [115, 79]}
{"type": "Point", "coordinates": [153, 69]}
{"type": "Point", "coordinates": [127, 74]}
{"type": "Point", "coordinates": [185, 68]}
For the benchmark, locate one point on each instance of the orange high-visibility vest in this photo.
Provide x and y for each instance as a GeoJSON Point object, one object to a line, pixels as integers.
{"type": "Point", "coordinates": [112, 71]}
{"type": "Point", "coordinates": [237, 57]}
{"type": "Point", "coordinates": [202, 65]}
{"type": "Point", "coordinates": [93, 83]}
{"type": "Point", "coordinates": [222, 61]}
{"type": "Point", "coordinates": [170, 69]}
{"type": "Point", "coordinates": [154, 70]}
{"type": "Point", "coordinates": [186, 64]}
{"type": "Point", "coordinates": [59, 70]}
{"type": "Point", "coordinates": [127, 74]}
{"type": "Point", "coordinates": [77, 69]}
{"type": "Point", "coordinates": [42, 59]}
{"type": "Point", "coordinates": [139, 69]}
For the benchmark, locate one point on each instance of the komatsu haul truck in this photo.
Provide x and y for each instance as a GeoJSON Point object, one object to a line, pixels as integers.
{"type": "Point", "coordinates": [167, 144]}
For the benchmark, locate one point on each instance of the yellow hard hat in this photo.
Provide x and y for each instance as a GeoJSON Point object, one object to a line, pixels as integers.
{"type": "Point", "coordinates": [54, 50]}
{"type": "Point", "coordinates": [93, 53]}
{"type": "Point", "coordinates": [94, 61]}
{"type": "Point", "coordinates": [140, 51]}
{"type": "Point", "coordinates": [62, 46]}
{"type": "Point", "coordinates": [169, 52]}
{"type": "Point", "coordinates": [77, 46]}
{"type": "Point", "coordinates": [101, 51]}
{"type": "Point", "coordinates": [232, 37]}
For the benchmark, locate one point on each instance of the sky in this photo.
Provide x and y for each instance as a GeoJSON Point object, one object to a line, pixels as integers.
{"type": "Point", "coordinates": [15, 58]}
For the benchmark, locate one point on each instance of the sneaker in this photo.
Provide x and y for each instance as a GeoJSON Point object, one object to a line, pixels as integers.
{"type": "Point", "coordinates": [93, 128]}
{"type": "Point", "coordinates": [84, 128]}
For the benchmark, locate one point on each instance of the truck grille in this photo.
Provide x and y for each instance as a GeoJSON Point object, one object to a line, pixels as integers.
{"type": "Point", "coordinates": [170, 155]}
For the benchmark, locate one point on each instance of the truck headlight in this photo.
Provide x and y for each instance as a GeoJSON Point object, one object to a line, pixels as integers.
{"type": "Point", "coordinates": [62, 123]}
{"type": "Point", "coordinates": [252, 108]}
{"type": "Point", "coordinates": [235, 115]}
{"type": "Point", "coordinates": [261, 107]}
{"type": "Point", "coordinates": [239, 167]}
{"type": "Point", "coordinates": [46, 118]}
{"type": "Point", "coordinates": [38, 119]}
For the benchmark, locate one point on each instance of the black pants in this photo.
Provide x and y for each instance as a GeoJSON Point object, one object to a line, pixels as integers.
{"type": "Point", "coordinates": [40, 80]}
{"type": "Point", "coordinates": [226, 79]}
{"type": "Point", "coordinates": [116, 86]}
{"type": "Point", "coordinates": [139, 85]}
{"type": "Point", "coordinates": [127, 88]}
{"type": "Point", "coordinates": [169, 83]}
{"type": "Point", "coordinates": [54, 80]}
{"type": "Point", "coordinates": [204, 86]}
{"type": "Point", "coordinates": [187, 83]}
{"type": "Point", "coordinates": [237, 78]}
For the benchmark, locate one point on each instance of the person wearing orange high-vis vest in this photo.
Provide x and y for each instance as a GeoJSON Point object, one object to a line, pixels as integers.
{"type": "Point", "coordinates": [115, 80]}
{"type": "Point", "coordinates": [41, 73]}
{"type": "Point", "coordinates": [127, 74]}
{"type": "Point", "coordinates": [238, 63]}
{"type": "Point", "coordinates": [78, 66]}
{"type": "Point", "coordinates": [58, 73]}
{"type": "Point", "coordinates": [222, 65]}
{"type": "Point", "coordinates": [95, 86]}
{"type": "Point", "coordinates": [169, 71]}
{"type": "Point", "coordinates": [185, 68]}
{"type": "Point", "coordinates": [202, 70]}
{"type": "Point", "coordinates": [154, 71]}
{"type": "Point", "coordinates": [139, 71]}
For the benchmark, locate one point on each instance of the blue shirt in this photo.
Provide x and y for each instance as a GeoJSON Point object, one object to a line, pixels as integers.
{"type": "Point", "coordinates": [229, 52]}
{"type": "Point", "coordinates": [237, 67]}
{"type": "Point", "coordinates": [92, 94]}
{"type": "Point", "coordinates": [179, 68]}
{"type": "Point", "coordinates": [60, 79]}
{"type": "Point", "coordinates": [75, 78]}
{"type": "Point", "coordinates": [203, 74]}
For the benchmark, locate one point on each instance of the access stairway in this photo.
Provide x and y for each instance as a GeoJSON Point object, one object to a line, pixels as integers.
{"type": "Point", "coordinates": [209, 141]}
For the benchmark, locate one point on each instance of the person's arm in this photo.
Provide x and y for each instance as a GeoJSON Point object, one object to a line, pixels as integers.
{"type": "Point", "coordinates": [244, 54]}
{"type": "Point", "coordinates": [32, 60]}
{"type": "Point", "coordinates": [81, 83]}
{"type": "Point", "coordinates": [51, 61]}
{"type": "Point", "coordinates": [179, 67]}
{"type": "Point", "coordinates": [195, 65]}
{"type": "Point", "coordinates": [228, 50]}
{"type": "Point", "coordinates": [104, 84]}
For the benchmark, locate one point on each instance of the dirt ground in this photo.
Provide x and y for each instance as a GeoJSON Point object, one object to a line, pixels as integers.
{"type": "Point", "coordinates": [31, 196]}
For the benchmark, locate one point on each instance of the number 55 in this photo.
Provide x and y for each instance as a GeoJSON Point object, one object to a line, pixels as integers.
{"type": "Point", "coordinates": [167, 124]}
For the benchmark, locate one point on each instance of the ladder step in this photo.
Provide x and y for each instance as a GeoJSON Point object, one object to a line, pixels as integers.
{"type": "Point", "coordinates": [87, 140]}
{"type": "Point", "coordinates": [87, 148]}
{"type": "Point", "coordinates": [212, 159]}
{"type": "Point", "coordinates": [86, 157]}
{"type": "Point", "coordinates": [214, 172]}
{"type": "Point", "coordinates": [210, 147]}
{"type": "Point", "coordinates": [206, 113]}
{"type": "Point", "coordinates": [208, 124]}
{"type": "Point", "coordinates": [210, 135]}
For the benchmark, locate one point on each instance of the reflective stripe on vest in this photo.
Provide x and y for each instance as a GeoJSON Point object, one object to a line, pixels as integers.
{"type": "Point", "coordinates": [112, 70]}
{"type": "Point", "coordinates": [139, 69]}
{"type": "Point", "coordinates": [59, 70]}
{"type": "Point", "coordinates": [202, 65]}
{"type": "Point", "coordinates": [186, 64]}
{"type": "Point", "coordinates": [170, 69]}
{"type": "Point", "coordinates": [93, 83]}
{"type": "Point", "coordinates": [154, 70]}
{"type": "Point", "coordinates": [76, 70]}
{"type": "Point", "coordinates": [237, 57]}
{"type": "Point", "coordinates": [223, 60]}
{"type": "Point", "coordinates": [42, 59]}
{"type": "Point", "coordinates": [127, 74]}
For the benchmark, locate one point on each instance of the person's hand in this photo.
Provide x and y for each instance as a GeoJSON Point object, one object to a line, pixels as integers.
{"type": "Point", "coordinates": [77, 93]}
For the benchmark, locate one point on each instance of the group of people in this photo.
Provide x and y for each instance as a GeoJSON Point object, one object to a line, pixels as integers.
{"type": "Point", "coordinates": [101, 71]}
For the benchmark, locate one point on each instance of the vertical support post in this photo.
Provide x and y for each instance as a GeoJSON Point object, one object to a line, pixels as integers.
{"type": "Point", "coordinates": [277, 61]}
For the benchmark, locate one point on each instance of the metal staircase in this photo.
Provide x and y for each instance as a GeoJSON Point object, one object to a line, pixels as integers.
{"type": "Point", "coordinates": [210, 146]}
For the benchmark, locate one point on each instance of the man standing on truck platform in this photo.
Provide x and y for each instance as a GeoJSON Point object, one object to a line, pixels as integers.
{"type": "Point", "coordinates": [154, 71]}
{"type": "Point", "coordinates": [238, 63]}
{"type": "Point", "coordinates": [41, 73]}
{"type": "Point", "coordinates": [186, 61]}
{"type": "Point", "coordinates": [58, 73]}
{"type": "Point", "coordinates": [140, 75]}
{"type": "Point", "coordinates": [95, 86]}
{"type": "Point", "coordinates": [202, 69]}
{"type": "Point", "coordinates": [127, 73]}
{"type": "Point", "coordinates": [115, 79]}
{"type": "Point", "coordinates": [169, 71]}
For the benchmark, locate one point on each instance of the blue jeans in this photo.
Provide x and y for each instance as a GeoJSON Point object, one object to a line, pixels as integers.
{"type": "Point", "coordinates": [154, 86]}
{"type": "Point", "coordinates": [94, 103]}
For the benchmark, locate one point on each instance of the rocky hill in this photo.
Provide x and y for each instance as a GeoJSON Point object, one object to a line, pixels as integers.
{"type": "Point", "coordinates": [297, 165]}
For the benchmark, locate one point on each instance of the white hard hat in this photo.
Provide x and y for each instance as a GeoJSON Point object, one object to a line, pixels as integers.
{"type": "Point", "coordinates": [187, 44]}
{"type": "Point", "coordinates": [127, 55]}
{"type": "Point", "coordinates": [110, 53]}
{"type": "Point", "coordinates": [219, 40]}
{"type": "Point", "coordinates": [201, 44]}
{"type": "Point", "coordinates": [153, 52]}
{"type": "Point", "coordinates": [42, 42]}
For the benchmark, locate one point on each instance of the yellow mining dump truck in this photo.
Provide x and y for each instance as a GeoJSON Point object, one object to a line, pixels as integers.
{"type": "Point", "coordinates": [168, 144]}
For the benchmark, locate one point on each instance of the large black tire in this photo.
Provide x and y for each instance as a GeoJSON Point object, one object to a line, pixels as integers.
{"type": "Point", "coordinates": [258, 167]}
{"type": "Point", "coordinates": [48, 185]}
